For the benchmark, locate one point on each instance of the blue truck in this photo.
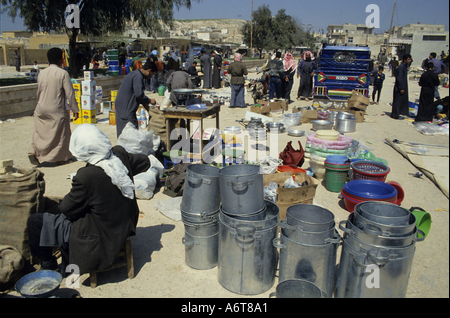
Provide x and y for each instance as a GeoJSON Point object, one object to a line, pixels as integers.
{"type": "Point", "coordinates": [342, 69]}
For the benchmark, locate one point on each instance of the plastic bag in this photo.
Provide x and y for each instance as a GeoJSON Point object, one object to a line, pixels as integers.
{"type": "Point", "coordinates": [290, 183]}
{"type": "Point", "coordinates": [157, 165]}
{"type": "Point", "coordinates": [136, 141]}
{"type": "Point", "coordinates": [270, 192]}
{"type": "Point", "coordinates": [269, 165]}
{"type": "Point", "coordinates": [170, 208]}
{"type": "Point", "coordinates": [145, 184]}
{"type": "Point", "coordinates": [290, 119]}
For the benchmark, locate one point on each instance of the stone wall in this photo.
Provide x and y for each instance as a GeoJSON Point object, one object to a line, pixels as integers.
{"type": "Point", "coordinates": [20, 100]}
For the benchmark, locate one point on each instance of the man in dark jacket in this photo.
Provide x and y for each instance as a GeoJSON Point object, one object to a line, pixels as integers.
{"type": "Point", "coordinates": [93, 221]}
{"type": "Point", "coordinates": [237, 70]}
{"type": "Point", "coordinates": [428, 81]}
{"type": "Point", "coordinates": [400, 104]}
{"type": "Point", "coordinates": [131, 94]}
{"type": "Point", "coordinates": [276, 71]}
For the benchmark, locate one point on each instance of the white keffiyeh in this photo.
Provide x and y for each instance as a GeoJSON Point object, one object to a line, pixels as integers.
{"type": "Point", "coordinates": [91, 145]}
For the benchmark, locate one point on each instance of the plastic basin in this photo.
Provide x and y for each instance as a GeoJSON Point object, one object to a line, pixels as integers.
{"type": "Point", "coordinates": [423, 221]}
{"type": "Point", "coordinates": [337, 159]}
{"type": "Point", "coordinates": [370, 189]}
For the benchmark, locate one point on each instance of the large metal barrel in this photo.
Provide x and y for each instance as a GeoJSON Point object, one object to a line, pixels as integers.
{"type": "Point", "coordinates": [314, 263]}
{"type": "Point", "coordinates": [201, 192]}
{"type": "Point", "coordinates": [201, 251]}
{"type": "Point", "coordinates": [247, 258]}
{"type": "Point", "coordinates": [297, 288]}
{"type": "Point", "coordinates": [241, 189]}
{"type": "Point", "coordinates": [310, 218]}
{"type": "Point", "coordinates": [370, 271]}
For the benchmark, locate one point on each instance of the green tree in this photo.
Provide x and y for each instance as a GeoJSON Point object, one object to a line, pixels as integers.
{"type": "Point", "coordinates": [263, 36]}
{"type": "Point", "coordinates": [97, 17]}
{"type": "Point", "coordinates": [284, 30]}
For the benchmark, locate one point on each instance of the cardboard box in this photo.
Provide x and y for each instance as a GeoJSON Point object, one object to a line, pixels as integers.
{"type": "Point", "coordinates": [276, 105]}
{"type": "Point", "coordinates": [112, 118]}
{"type": "Point", "coordinates": [88, 75]}
{"type": "Point", "coordinates": [79, 121]}
{"type": "Point", "coordinates": [88, 88]}
{"type": "Point", "coordinates": [290, 196]}
{"type": "Point", "coordinates": [260, 109]}
{"type": "Point", "coordinates": [77, 89]}
{"type": "Point", "coordinates": [89, 116]}
{"type": "Point", "coordinates": [88, 102]}
{"type": "Point", "coordinates": [359, 114]}
{"type": "Point", "coordinates": [359, 101]}
{"type": "Point", "coordinates": [99, 94]}
{"type": "Point", "coordinates": [106, 107]}
{"type": "Point", "coordinates": [307, 114]}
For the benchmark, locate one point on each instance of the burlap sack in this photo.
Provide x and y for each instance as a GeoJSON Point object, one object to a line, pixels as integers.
{"type": "Point", "coordinates": [20, 196]}
{"type": "Point", "coordinates": [11, 264]}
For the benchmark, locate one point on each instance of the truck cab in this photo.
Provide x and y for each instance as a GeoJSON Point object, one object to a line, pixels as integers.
{"type": "Point", "coordinates": [342, 69]}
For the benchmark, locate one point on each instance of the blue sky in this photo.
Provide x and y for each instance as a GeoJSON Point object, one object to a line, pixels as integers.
{"type": "Point", "coordinates": [317, 14]}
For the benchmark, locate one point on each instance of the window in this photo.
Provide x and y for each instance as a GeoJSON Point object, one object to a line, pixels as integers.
{"type": "Point", "coordinates": [350, 39]}
{"type": "Point", "coordinates": [434, 38]}
{"type": "Point", "coordinates": [344, 57]}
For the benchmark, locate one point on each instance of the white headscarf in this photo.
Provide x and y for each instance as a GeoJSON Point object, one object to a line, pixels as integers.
{"type": "Point", "coordinates": [91, 145]}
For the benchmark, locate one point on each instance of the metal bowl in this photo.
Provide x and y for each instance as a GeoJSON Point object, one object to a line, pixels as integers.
{"type": "Point", "coordinates": [296, 133]}
{"type": "Point", "coordinates": [279, 126]}
{"type": "Point", "coordinates": [233, 129]}
{"type": "Point", "coordinates": [321, 125]}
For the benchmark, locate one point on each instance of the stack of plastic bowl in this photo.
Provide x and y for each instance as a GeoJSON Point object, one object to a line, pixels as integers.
{"type": "Point", "coordinates": [357, 191]}
{"type": "Point", "coordinates": [200, 215]}
{"type": "Point", "coordinates": [113, 62]}
{"type": "Point", "coordinates": [308, 245]}
{"type": "Point", "coordinates": [336, 172]}
{"type": "Point", "coordinates": [378, 247]}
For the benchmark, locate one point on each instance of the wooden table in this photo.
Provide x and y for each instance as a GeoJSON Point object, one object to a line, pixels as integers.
{"type": "Point", "coordinates": [173, 114]}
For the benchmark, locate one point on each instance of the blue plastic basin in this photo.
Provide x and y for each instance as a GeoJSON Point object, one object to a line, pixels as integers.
{"type": "Point", "coordinates": [370, 189]}
{"type": "Point", "coordinates": [337, 159]}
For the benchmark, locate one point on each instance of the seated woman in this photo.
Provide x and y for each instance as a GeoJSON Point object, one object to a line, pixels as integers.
{"type": "Point", "coordinates": [99, 212]}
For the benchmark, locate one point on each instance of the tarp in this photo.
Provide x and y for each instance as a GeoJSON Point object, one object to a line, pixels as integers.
{"type": "Point", "coordinates": [432, 161]}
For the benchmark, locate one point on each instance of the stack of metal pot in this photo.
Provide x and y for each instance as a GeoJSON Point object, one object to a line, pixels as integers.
{"type": "Point", "coordinates": [308, 245]}
{"type": "Point", "coordinates": [247, 226]}
{"type": "Point", "coordinates": [200, 215]}
{"type": "Point", "coordinates": [378, 250]}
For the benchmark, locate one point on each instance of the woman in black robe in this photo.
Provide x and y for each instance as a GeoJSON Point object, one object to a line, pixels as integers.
{"type": "Point", "coordinates": [428, 81]}
{"type": "Point", "coordinates": [400, 105]}
{"type": "Point", "coordinates": [216, 81]}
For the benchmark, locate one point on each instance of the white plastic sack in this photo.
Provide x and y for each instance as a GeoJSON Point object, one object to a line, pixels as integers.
{"type": "Point", "coordinates": [269, 165]}
{"type": "Point", "coordinates": [145, 184]}
{"type": "Point", "coordinates": [136, 141]}
{"type": "Point", "coordinates": [157, 165]}
{"type": "Point", "coordinates": [270, 192]}
{"type": "Point", "coordinates": [170, 208]}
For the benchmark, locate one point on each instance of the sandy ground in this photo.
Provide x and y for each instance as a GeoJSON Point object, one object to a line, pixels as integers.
{"type": "Point", "coordinates": [160, 268]}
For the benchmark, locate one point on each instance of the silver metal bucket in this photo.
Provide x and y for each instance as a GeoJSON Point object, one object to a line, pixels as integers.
{"type": "Point", "coordinates": [386, 277]}
{"type": "Point", "coordinates": [272, 218]}
{"type": "Point", "coordinates": [369, 226]}
{"type": "Point", "coordinates": [247, 258]}
{"type": "Point", "coordinates": [297, 288]}
{"type": "Point", "coordinates": [195, 218]}
{"type": "Point", "coordinates": [201, 252]}
{"type": "Point", "coordinates": [201, 229]}
{"type": "Point", "coordinates": [201, 190]}
{"type": "Point", "coordinates": [241, 189]}
{"type": "Point", "coordinates": [258, 216]}
{"type": "Point", "coordinates": [314, 263]}
{"type": "Point", "coordinates": [384, 213]}
{"type": "Point", "coordinates": [310, 218]}
{"type": "Point", "coordinates": [310, 238]}
{"type": "Point", "coordinates": [376, 238]}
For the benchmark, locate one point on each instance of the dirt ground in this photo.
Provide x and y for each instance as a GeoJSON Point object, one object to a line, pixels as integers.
{"type": "Point", "coordinates": [160, 268]}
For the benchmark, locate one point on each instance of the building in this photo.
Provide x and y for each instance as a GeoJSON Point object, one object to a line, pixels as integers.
{"type": "Point", "coordinates": [355, 35]}
{"type": "Point", "coordinates": [419, 40]}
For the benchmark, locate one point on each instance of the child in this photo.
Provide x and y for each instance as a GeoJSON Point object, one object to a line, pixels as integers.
{"type": "Point", "coordinates": [378, 84]}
